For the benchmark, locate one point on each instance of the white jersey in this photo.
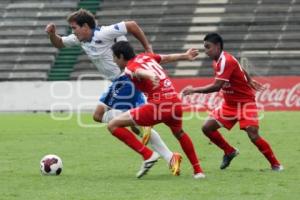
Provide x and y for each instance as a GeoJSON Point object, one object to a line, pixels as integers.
{"type": "Point", "coordinates": [99, 48]}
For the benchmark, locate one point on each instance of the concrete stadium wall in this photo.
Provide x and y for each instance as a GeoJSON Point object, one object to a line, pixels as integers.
{"type": "Point", "coordinates": [50, 96]}
{"type": "Point", "coordinates": [281, 93]}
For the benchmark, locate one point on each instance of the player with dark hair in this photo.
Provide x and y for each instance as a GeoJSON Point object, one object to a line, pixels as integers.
{"type": "Point", "coordinates": [164, 105]}
{"type": "Point", "coordinates": [239, 103]}
{"type": "Point", "coordinates": [96, 41]}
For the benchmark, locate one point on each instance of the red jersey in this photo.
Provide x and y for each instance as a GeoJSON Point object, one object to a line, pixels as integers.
{"type": "Point", "coordinates": [149, 61]}
{"type": "Point", "coordinates": [236, 88]}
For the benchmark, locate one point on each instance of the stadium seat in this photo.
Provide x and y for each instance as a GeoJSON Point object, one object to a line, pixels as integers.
{"type": "Point", "coordinates": [264, 35]}
{"type": "Point", "coordinates": [25, 50]}
{"type": "Point", "coordinates": [247, 26]}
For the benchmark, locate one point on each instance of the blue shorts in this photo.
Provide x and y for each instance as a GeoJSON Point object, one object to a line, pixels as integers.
{"type": "Point", "coordinates": [122, 95]}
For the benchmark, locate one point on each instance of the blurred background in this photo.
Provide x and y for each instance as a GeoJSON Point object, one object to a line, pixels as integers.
{"type": "Point", "coordinates": [262, 34]}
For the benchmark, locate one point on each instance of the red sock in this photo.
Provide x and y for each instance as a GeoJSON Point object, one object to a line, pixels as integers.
{"type": "Point", "coordinates": [188, 148]}
{"type": "Point", "coordinates": [128, 138]}
{"type": "Point", "coordinates": [218, 140]}
{"type": "Point", "coordinates": [266, 150]}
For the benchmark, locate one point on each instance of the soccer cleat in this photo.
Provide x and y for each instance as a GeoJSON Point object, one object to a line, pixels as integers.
{"type": "Point", "coordinates": [277, 168]}
{"type": "Point", "coordinates": [146, 133]}
{"type": "Point", "coordinates": [199, 175]}
{"type": "Point", "coordinates": [174, 164]}
{"type": "Point", "coordinates": [147, 164]}
{"type": "Point", "coordinates": [228, 158]}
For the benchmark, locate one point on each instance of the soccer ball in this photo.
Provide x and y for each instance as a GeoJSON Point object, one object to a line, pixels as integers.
{"type": "Point", "coordinates": [51, 165]}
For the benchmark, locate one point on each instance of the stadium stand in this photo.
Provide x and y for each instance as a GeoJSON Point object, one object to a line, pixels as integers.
{"type": "Point", "coordinates": [67, 57]}
{"type": "Point", "coordinates": [25, 51]}
{"type": "Point", "coordinates": [263, 34]}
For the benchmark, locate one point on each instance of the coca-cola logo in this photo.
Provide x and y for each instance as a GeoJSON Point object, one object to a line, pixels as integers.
{"type": "Point", "coordinates": [270, 97]}
{"type": "Point", "coordinates": [207, 101]}
{"type": "Point", "coordinates": [279, 97]}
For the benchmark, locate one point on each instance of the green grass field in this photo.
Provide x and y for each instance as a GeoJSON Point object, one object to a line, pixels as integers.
{"type": "Point", "coordinates": [98, 166]}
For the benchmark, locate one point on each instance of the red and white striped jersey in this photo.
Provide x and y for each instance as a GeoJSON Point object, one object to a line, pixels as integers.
{"type": "Point", "coordinates": [236, 87]}
{"type": "Point", "coordinates": [149, 61]}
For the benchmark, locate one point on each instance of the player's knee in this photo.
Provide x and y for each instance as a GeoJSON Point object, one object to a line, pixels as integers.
{"type": "Point", "coordinates": [97, 117]}
{"type": "Point", "coordinates": [111, 126]}
{"type": "Point", "coordinates": [99, 112]}
{"type": "Point", "coordinates": [253, 137]}
{"type": "Point", "coordinates": [136, 130]}
{"type": "Point", "coordinates": [178, 133]}
{"type": "Point", "coordinates": [252, 132]}
{"type": "Point", "coordinates": [206, 129]}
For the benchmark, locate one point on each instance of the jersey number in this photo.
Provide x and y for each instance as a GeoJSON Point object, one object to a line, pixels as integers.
{"type": "Point", "coordinates": [156, 68]}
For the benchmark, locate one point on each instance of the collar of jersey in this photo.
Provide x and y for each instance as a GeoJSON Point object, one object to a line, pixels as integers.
{"type": "Point", "coordinates": [221, 55]}
{"type": "Point", "coordinates": [130, 61]}
{"type": "Point", "coordinates": [122, 74]}
{"type": "Point", "coordinates": [97, 28]}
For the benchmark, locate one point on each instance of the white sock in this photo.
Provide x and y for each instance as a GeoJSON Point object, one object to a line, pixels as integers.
{"type": "Point", "coordinates": [159, 146]}
{"type": "Point", "coordinates": [110, 114]}
{"type": "Point", "coordinates": [156, 142]}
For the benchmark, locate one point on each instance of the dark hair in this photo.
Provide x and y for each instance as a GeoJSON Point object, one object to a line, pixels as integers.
{"type": "Point", "coordinates": [214, 38]}
{"type": "Point", "coordinates": [81, 17]}
{"type": "Point", "coordinates": [124, 48]}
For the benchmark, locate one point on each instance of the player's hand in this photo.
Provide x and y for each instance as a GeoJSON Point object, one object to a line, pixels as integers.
{"type": "Point", "coordinates": [50, 29]}
{"type": "Point", "coordinates": [155, 81]}
{"type": "Point", "coordinates": [256, 85]}
{"type": "Point", "coordinates": [192, 54]}
{"type": "Point", "coordinates": [188, 90]}
{"type": "Point", "coordinates": [149, 49]}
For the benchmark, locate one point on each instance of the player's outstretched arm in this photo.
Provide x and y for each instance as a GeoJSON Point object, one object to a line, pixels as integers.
{"type": "Point", "coordinates": [214, 87]}
{"type": "Point", "coordinates": [256, 85]}
{"type": "Point", "coordinates": [147, 74]}
{"type": "Point", "coordinates": [190, 55]}
{"type": "Point", "coordinates": [133, 28]}
{"type": "Point", "coordinates": [253, 83]}
{"type": "Point", "coordinates": [54, 38]}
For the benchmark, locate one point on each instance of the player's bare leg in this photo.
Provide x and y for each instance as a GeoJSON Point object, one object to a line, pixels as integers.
{"type": "Point", "coordinates": [99, 112]}
{"type": "Point", "coordinates": [157, 144]}
{"type": "Point", "coordinates": [264, 147]}
{"type": "Point", "coordinates": [189, 150]}
{"type": "Point", "coordinates": [172, 158]}
{"type": "Point", "coordinates": [117, 127]}
{"type": "Point", "coordinates": [210, 130]}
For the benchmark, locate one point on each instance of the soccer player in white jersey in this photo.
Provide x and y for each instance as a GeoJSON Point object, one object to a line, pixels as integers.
{"type": "Point", "coordinates": [97, 41]}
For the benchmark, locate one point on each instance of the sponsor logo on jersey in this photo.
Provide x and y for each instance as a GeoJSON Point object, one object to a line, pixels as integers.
{"type": "Point", "coordinates": [167, 83]}
{"type": "Point", "coordinates": [116, 27]}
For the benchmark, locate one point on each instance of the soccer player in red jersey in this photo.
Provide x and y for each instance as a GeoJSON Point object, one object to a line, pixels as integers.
{"type": "Point", "coordinates": [239, 104]}
{"type": "Point", "coordinates": [164, 105]}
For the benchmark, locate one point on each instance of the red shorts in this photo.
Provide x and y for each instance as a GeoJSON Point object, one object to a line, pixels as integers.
{"type": "Point", "coordinates": [150, 114]}
{"type": "Point", "coordinates": [244, 113]}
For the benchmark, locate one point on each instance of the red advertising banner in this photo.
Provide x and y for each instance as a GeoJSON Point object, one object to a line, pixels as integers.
{"type": "Point", "coordinates": [281, 93]}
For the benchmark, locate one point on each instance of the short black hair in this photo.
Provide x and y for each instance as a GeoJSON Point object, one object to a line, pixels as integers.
{"type": "Point", "coordinates": [124, 48]}
{"type": "Point", "coordinates": [81, 17]}
{"type": "Point", "coordinates": [214, 38]}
